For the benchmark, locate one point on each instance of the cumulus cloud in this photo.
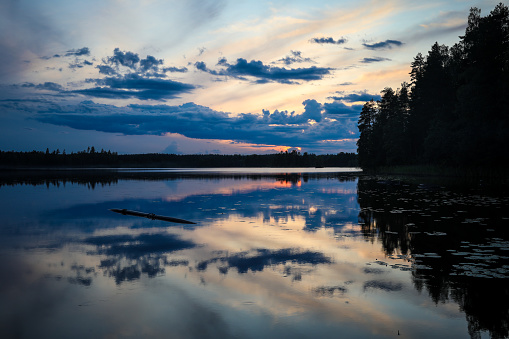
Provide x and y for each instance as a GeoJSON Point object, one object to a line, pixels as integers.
{"type": "Point", "coordinates": [122, 62]}
{"type": "Point", "coordinates": [383, 44]}
{"type": "Point", "coordinates": [150, 63]}
{"type": "Point", "coordinates": [106, 69]}
{"type": "Point", "coordinates": [295, 57]}
{"type": "Point", "coordinates": [264, 73]}
{"type": "Point", "coordinates": [129, 76]}
{"type": "Point", "coordinates": [329, 40]}
{"type": "Point", "coordinates": [126, 59]}
{"type": "Point", "coordinates": [309, 129]}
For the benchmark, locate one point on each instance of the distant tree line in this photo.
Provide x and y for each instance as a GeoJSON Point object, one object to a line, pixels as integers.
{"type": "Point", "coordinates": [455, 110]}
{"type": "Point", "coordinates": [93, 158]}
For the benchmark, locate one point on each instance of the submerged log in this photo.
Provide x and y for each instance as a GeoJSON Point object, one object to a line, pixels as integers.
{"type": "Point", "coordinates": [151, 216]}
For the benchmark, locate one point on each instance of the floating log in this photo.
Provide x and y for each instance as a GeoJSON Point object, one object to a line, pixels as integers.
{"type": "Point", "coordinates": [151, 216]}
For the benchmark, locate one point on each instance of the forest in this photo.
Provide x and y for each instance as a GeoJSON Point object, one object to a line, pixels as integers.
{"type": "Point", "coordinates": [108, 159]}
{"type": "Point", "coordinates": [454, 111]}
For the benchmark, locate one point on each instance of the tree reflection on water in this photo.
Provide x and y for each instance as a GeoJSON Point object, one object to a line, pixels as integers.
{"type": "Point", "coordinates": [457, 241]}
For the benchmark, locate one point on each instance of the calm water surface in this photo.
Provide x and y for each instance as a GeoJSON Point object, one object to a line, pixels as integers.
{"type": "Point", "coordinates": [273, 254]}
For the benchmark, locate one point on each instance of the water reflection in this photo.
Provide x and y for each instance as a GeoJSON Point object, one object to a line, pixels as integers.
{"type": "Point", "coordinates": [457, 241]}
{"type": "Point", "coordinates": [300, 255]}
{"type": "Point", "coordinates": [261, 258]}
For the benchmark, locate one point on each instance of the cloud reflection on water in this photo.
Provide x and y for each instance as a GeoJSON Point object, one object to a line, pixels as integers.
{"type": "Point", "coordinates": [265, 252]}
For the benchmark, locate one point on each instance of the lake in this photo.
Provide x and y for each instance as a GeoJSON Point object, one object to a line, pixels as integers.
{"type": "Point", "coordinates": [273, 253]}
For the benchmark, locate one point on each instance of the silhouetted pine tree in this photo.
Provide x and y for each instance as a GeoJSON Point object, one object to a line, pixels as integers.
{"type": "Point", "coordinates": [456, 109]}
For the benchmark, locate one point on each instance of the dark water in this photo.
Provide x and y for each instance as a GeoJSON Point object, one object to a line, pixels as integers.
{"type": "Point", "coordinates": [278, 255]}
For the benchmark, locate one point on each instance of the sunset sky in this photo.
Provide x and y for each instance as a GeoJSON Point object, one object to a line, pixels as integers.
{"type": "Point", "coordinates": [207, 76]}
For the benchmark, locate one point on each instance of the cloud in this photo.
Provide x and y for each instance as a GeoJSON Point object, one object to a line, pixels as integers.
{"type": "Point", "coordinates": [72, 52]}
{"type": "Point", "coordinates": [265, 73]}
{"type": "Point", "coordinates": [78, 52]}
{"type": "Point", "coordinates": [173, 148]}
{"type": "Point", "coordinates": [129, 76]}
{"type": "Point", "coordinates": [295, 57]}
{"type": "Point", "coordinates": [106, 69]}
{"type": "Point", "coordinates": [80, 64]}
{"type": "Point", "coordinates": [48, 86]}
{"type": "Point", "coordinates": [312, 110]}
{"type": "Point", "coordinates": [374, 59]}
{"type": "Point", "coordinates": [445, 23]}
{"type": "Point", "coordinates": [126, 62]}
{"type": "Point", "coordinates": [317, 123]}
{"type": "Point", "coordinates": [135, 86]}
{"type": "Point", "coordinates": [356, 96]}
{"type": "Point", "coordinates": [150, 63]}
{"type": "Point", "coordinates": [340, 109]}
{"type": "Point", "coordinates": [329, 40]}
{"type": "Point", "coordinates": [383, 44]}
{"type": "Point", "coordinates": [175, 69]}
{"type": "Point", "coordinates": [126, 59]}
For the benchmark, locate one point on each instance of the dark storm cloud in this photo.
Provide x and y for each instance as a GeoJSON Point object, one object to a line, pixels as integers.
{"type": "Point", "coordinates": [329, 40]}
{"type": "Point", "coordinates": [195, 121]}
{"type": "Point", "coordinates": [295, 57]}
{"type": "Point", "coordinates": [264, 73]}
{"type": "Point", "coordinates": [383, 44]}
{"type": "Point", "coordinates": [356, 96]}
{"type": "Point", "coordinates": [374, 59]}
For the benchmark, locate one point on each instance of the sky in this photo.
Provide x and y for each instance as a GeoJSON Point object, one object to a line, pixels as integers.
{"type": "Point", "coordinates": [207, 76]}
